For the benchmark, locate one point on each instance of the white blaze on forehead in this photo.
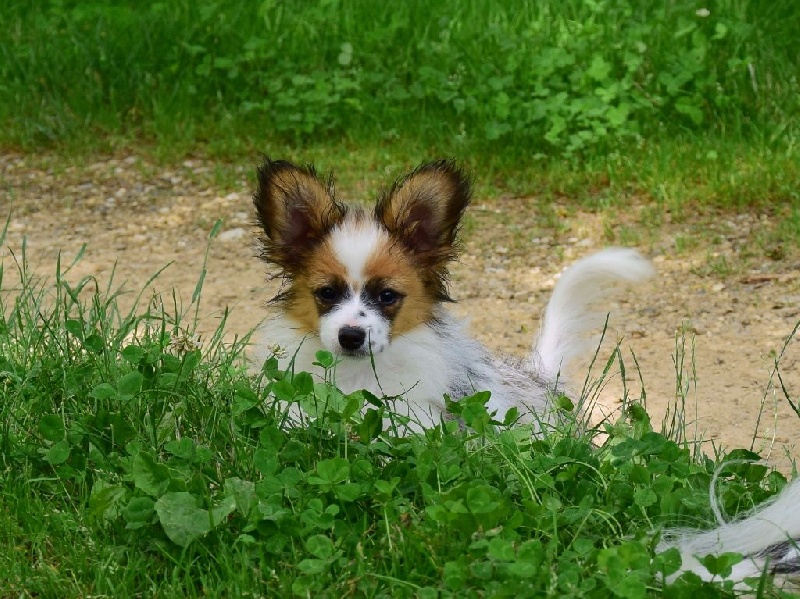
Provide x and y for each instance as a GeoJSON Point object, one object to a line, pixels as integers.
{"type": "Point", "coordinates": [354, 242]}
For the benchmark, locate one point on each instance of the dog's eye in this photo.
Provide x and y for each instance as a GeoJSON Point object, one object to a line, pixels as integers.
{"type": "Point", "coordinates": [388, 296]}
{"type": "Point", "coordinates": [327, 295]}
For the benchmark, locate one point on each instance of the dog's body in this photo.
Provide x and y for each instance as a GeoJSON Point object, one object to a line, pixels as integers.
{"type": "Point", "coordinates": [439, 358]}
{"type": "Point", "coordinates": [371, 289]}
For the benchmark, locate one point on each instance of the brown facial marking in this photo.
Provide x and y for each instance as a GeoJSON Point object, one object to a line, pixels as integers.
{"type": "Point", "coordinates": [392, 266]}
{"type": "Point", "coordinates": [300, 306]}
{"type": "Point", "coordinates": [321, 270]}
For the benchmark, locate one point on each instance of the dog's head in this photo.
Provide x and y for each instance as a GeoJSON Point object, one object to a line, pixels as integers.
{"type": "Point", "coordinates": [353, 278]}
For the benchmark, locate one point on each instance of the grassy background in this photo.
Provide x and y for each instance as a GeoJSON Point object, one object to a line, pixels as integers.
{"type": "Point", "coordinates": [674, 101]}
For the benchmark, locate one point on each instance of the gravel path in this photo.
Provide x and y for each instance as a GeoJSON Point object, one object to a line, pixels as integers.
{"type": "Point", "coordinates": [734, 293]}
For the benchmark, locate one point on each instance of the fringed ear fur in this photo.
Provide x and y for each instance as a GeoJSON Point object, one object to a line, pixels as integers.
{"type": "Point", "coordinates": [423, 210]}
{"type": "Point", "coordinates": [296, 209]}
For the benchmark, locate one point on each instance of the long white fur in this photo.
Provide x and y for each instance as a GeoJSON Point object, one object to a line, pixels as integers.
{"type": "Point", "coordinates": [567, 319]}
{"type": "Point", "coordinates": [768, 538]}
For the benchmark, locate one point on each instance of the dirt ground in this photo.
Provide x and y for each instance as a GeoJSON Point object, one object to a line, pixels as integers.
{"type": "Point", "coordinates": [736, 297]}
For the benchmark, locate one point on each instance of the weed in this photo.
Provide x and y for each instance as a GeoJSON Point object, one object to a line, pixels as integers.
{"type": "Point", "coordinates": [686, 243]}
{"type": "Point", "coordinates": [599, 102]}
{"type": "Point", "coordinates": [717, 264]}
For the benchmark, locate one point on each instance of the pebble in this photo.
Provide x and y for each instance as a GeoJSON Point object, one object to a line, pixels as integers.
{"type": "Point", "coordinates": [231, 235]}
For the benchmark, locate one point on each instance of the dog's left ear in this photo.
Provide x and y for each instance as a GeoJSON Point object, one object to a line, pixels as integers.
{"type": "Point", "coordinates": [423, 210]}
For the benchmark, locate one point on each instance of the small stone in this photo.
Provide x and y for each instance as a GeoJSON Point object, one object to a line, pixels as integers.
{"type": "Point", "coordinates": [637, 331]}
{"type": "Point", "coordinates": [231, 234]}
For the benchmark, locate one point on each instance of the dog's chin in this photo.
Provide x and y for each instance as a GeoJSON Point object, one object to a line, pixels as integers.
{"type": "Point", "coordinates": [357, 354]}
{"type": "Point", "coordinates": [353, 353]}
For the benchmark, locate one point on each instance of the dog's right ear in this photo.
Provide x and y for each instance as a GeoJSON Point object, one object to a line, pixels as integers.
{"type": "Point", "coordinates": [296, 209]}
{"type": "Point", "coordinates": [423, 210]}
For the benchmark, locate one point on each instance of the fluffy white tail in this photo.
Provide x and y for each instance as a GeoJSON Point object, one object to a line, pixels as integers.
{"type": "Point", "coordinates": [768, 538]}
{"type": "Point", "coordinates": [569, 316]}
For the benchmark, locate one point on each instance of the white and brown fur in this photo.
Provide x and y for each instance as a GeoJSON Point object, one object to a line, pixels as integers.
{"type": "Point", "coordinates": [768, 538]}
{"type": "Point", "coordinates": [371, 287]}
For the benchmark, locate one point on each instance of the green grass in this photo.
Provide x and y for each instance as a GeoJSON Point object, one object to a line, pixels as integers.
{"type": "Point", "coordinates": [604, 103]}
{"type": "Point", "coordinates": [622, 91]}
{"type": "Point", "coordinates": [553, 76]}
{"type": "Point", "coordinates": [135, 462]}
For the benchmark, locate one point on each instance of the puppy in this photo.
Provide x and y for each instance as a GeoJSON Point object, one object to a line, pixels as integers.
{"type": "Point", "coordinates": [371, 288]}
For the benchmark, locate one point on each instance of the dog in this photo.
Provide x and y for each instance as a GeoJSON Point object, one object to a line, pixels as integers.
{"type": "Point", "coordinates": [371, 288]}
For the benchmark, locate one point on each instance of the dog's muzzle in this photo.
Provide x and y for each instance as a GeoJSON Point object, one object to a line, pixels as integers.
{"type": "Point", "coordinates": [352, 338]}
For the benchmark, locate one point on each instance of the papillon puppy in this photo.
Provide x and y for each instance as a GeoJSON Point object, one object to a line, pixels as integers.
{"type": "Point", "coordinates": [372, 288]}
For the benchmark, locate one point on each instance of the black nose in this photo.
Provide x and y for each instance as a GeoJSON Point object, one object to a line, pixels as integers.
{"type": "Point", "coordinates": [351, 337]}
